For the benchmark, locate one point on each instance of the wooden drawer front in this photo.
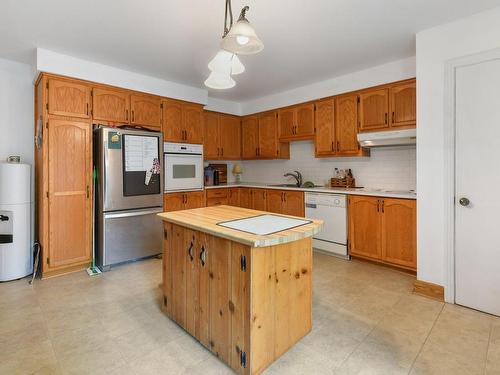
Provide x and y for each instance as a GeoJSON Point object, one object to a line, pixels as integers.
{"type": "Point", "coordinates": [217, 193]}
{"type": "Point", "coordinates": [216, 201]}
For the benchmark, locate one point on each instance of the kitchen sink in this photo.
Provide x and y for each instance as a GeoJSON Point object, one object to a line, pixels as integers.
{"type": "Point", "coordinates": [284, 185]}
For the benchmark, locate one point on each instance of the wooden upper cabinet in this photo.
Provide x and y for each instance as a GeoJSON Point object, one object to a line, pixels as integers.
{"type": "Point", "coordinates": [399, 237]}
{"type": "Point", "coordinates": [68, 98]}
{"type": "Point", "coordinates": [211, 148]}
{"type": "Point", "coordinates": [286, 123]}
{"type": "Point", "coordinates": [230, 137]}
{"type": "Point", "coordinates": [325, 128]}
{"type": "Point", "coordinates": [296, 122]}
{"type": "Point", "coordinates": [172, 121]}
{"type": "Point", "coordinates": [403, 104]}
{"type": "Point", "coordinates": [293, 203]}
{"type": "Point", "coordinates": [182, 122]}
{"type": "Point", "coordinates": [305, 120]}
{"type": "Point", "coordinates": [347, 125]}
{"type": "Point", "coordinates": [192, 123]}
{"type": "Point", "coordinates": [374, 110]}
{"type": "Point", "coordinates": [69, 192]}
{"type": "Point", "coordinates": [365, 226]}
{"type": "Point", "coordinates": [268, 136]}
{"type": "Point", "coordinates": [249, 137]}
{"type": "Point", "coordinates": [111, 105]}
{"type": "Point", "coordinates": [145, 110]}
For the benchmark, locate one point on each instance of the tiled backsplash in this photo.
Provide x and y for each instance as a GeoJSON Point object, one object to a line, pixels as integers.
{"type": "Point", "coordinates": [386, 168]}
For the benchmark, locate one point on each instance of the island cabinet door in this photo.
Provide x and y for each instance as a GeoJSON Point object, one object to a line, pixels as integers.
{"type": "Point", "coordinates": [239, 307]}
{"type": "Point", "coordinates": [166, 265]}
{"type": "Point", "coordinates": [219, 272]}
{"type": "Point", "coordinates": [178, 263]}
{"type": "Point", "coordinates": [192, 279]}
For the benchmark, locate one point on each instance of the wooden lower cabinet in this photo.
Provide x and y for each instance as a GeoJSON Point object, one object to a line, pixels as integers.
{"type": "Point", "coordinates": [244, 196]}
{"type": "Point", "coordinates": [286, 202]}
{"type": "Point", "coordinates": [232, 298]}
{"type": "Point", "coordinates": [383, 229]}
{"type": "Point", "coordinates": [183, 201]}
{"type": "Point", "coordinates": [399, 234]}
{"type": "Point", "coordinates": [217, 197]}
{"type": "Point", "coordinates": [258, 199]}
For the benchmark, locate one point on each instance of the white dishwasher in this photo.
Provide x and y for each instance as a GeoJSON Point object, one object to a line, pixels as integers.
{"type": "Point", "coordinates": [332, 209]}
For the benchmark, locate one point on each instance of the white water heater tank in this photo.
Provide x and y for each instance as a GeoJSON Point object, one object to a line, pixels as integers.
{"type": "Point", "coordinates": [16, 256]}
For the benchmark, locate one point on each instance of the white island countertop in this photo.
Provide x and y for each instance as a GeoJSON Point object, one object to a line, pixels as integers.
{"type": "Point", "coordinates": [404, 194]}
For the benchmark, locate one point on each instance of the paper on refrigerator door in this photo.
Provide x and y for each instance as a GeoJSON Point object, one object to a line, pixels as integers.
{"type": "Point", "coordinates": [140, 152]}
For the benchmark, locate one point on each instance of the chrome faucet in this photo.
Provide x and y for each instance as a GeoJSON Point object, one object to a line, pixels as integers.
{"type": "Point", "coordinates": [297, 175]}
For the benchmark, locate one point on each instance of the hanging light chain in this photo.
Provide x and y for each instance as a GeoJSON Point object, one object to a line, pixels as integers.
{"type": "Point", "coordinates": [229, 11]}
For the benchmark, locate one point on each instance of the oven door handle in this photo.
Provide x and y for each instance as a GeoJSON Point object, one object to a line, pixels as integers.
{"type": "Point", "coordinates": [116, 215]}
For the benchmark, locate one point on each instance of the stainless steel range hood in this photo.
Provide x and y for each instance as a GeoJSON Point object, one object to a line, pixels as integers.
{"type": "Point", "coordinates": [388, 138]}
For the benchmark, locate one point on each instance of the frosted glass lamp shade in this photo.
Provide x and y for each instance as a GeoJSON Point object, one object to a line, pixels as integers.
{"type": "Point", "coordinates": [219, 81]}
{"type": "Point", "coordinates": [225, 62]}
{"type": "Point", "coordinates": [242, 39]}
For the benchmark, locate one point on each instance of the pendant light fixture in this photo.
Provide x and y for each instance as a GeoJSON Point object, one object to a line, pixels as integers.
{"type": "Point", "coordinates": [242, 38]}
{"type": "Point", "coordinates": [239, 38]}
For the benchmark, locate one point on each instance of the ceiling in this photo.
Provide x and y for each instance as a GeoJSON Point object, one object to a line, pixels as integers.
{"type": "Point", "coordinates": [305, 41]}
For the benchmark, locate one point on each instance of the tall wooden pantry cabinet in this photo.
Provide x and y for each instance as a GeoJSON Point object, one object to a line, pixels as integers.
{"type": "Point", "coordinates": [63, 173]}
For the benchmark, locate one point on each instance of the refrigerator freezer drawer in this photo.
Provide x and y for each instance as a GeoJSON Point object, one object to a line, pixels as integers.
{"type": "Point", "coordinates": [128, 235]}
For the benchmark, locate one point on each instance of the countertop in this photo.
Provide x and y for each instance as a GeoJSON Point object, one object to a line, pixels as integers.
{"type": "Point", "coordinates": [205, 220]}
{"type": "Point", "coordinates": [405, 194]}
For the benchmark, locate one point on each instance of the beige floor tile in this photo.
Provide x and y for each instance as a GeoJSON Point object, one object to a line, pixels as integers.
{"type": "Point", "coordinates": [434, 360]}
{"type": "Point", "coordinates": [383, 352]}
{"type": "Point", "coordinates": [462, 332]}
{"type": "Point", "coordinates": [301, 360]}
{"type": "Point", "coordinates": [365, 321]}
{"type": "Point", "coordinates": [28, 358]}
{"type": "Point", "coordinates": [209, 366]}
{"type": "Point", "coordinates": [100, 359]}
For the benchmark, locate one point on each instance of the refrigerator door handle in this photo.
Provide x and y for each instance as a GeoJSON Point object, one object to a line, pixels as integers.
{"type": "Point", "coordinates": [116, 215]}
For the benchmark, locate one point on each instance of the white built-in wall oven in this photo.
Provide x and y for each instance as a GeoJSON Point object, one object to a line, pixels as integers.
{"type": "Point", "coordinates": [183, 163]}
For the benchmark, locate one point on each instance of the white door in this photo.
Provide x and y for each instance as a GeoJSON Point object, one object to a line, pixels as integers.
{"type": "Point", "coordinates": [477, 210]}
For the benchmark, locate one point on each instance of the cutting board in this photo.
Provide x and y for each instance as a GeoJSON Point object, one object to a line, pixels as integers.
{"type": "Point", "coordinates": [263, 225]}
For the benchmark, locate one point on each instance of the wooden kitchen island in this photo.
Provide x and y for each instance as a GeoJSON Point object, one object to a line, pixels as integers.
{"type": "Point", "coordinates": [245, 297]}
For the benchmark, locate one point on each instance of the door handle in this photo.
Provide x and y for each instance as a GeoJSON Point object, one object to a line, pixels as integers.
{"type": "Point", "coordinates": [190, 251]}
{"type": "Point", "coordinates": [386, 117]}
{"type": "Point", "coordinates": [382, 205]}
{"type": "Point", "coordinates": [133, 115]}
{"type": "Point", "coordinates": [464, 201]}
{"type": "Point", "coordinates": [88, 191]}
{"type": "Point", "coordinates": [378, 205]}
{"type": "Point", "coordinates": [126, 114]}
{"type": "Point", "coordinates": [203, 256]}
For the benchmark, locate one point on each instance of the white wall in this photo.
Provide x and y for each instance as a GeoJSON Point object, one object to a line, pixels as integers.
{"type": "Point", "coordinates": [224, 106]}
{"type": "Point", "coordinates": [57, 63]}
{"type": "Point", "coordinates": [435, 47]}
{"type": "Point", "coordinates": [390, 72]}
{"type": "Point", "coordinates": [388, 168]}
{"type": "Point", "coordinates": [16, 109]}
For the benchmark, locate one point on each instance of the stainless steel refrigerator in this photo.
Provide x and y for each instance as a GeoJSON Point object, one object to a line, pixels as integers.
{"type": "Point", "coordinates": [129, 195]}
